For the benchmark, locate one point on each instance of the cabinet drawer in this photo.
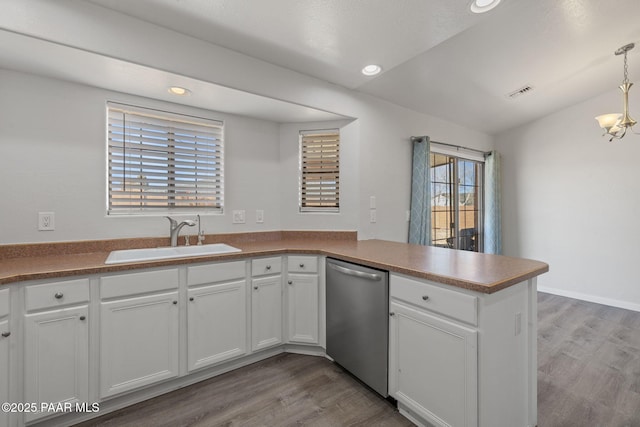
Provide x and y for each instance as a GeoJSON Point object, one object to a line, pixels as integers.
{"type": "Point", "coordinates": [56, 294]}
{"type": "Point", "coordinates": [4, 302]}
{"type": "Point", "coordinates": [212, 273]}
{"type": "Point", "coordinates": [456, 305]}
{"type": "Point", "coordinates": [303, 264]}
{"type": "Point", "coordinates": [262, 266]}
{"type": "Point", "coordinates": [138, 283]}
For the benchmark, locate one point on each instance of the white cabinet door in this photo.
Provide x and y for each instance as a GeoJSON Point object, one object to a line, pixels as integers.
{"type": "Point", "coordinates": [56, 364]}
{"type": "Point", "coordinates": [266, 312]}
{"type": "Point", "coordinates": [302, 290]}
{"type": "Point", "coordinates": [4, 369]}
{"type": "Point", "coordinates": [433, 367]}
{"type": "Point", "coordinates": [217, 323]}
{"type": "Point", "coordinates": [138, 342]}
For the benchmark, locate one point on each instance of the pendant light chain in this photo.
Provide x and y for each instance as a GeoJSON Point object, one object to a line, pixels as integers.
{"type": "Point", "coordinates": [626, 70]}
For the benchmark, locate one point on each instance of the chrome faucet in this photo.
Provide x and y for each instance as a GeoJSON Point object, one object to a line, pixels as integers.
{"type": "Point", "coordinates": [174, 229]}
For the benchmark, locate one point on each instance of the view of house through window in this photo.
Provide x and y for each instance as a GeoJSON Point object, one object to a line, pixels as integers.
{"type": "Point", "coordinates": [456, 202]}
{"type": "Point", "coordinates": [320, 170]}
{"type": "Point", "coordinates": [163, 162]}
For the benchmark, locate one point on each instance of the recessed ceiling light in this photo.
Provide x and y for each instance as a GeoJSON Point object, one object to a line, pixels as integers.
{"type": "Point", "coordinates": [482, 6]}
{"type": "Point", "coordinates": [180, 91]}
{"type": "Point", "coordinates": [371, 70]}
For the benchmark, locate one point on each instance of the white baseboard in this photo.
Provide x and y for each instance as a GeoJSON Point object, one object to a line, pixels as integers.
{"type": "Point", "coordinates": [591, 298]}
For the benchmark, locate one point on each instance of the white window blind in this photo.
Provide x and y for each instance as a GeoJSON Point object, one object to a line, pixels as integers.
{"type": "Point", "coordinates": [320, 170]}
{"type": "Point", "coordinates": [161, 161]}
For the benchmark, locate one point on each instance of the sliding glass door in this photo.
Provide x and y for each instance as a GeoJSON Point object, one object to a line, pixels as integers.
{"type": "Point", "coordinates": [456, 202]}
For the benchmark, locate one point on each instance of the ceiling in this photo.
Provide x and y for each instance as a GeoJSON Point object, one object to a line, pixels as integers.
{"type": "Point", "coordinates": [437, 57]}
{"type": "Point", "coordinates": [19, 52]}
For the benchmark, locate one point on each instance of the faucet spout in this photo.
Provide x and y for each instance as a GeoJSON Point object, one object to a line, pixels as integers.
{"type": "Point", "coordinates": [175, 227]}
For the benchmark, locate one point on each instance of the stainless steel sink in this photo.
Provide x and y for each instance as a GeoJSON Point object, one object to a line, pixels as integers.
{"type": "Point", "coordinates": [150, 254]}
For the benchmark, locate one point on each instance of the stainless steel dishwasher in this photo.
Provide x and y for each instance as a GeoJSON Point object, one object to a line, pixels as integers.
{"type": "Point", "coordinates": [358, 321]}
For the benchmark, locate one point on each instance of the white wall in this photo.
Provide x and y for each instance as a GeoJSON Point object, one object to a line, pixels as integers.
{"type": "Point", "coordinates": [378, 141]}
{"type": "Point", "coordinates": [53, 153]}
{"type": "Point", "coordinates": [571, 199]}
{"type": "Point", "coordinates": [375, 161]}
{"type": "Point", "coordinates": [53, 158]}
{"type": "Point", "coordinates": [385, 158]}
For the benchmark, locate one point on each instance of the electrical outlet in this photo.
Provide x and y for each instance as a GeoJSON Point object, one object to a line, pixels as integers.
{"type": "Point", "coordinates": [238, 217]}
{"type": "Point", "coordinates": [46, 221]}
{"type": "Point", "coordinates": [372, 216]}
{"type": "Point", "coordinates": [259, 216]}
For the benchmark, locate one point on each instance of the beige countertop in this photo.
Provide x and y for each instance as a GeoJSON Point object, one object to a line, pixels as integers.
{"type": "Point", "coordinates": [469, 270]}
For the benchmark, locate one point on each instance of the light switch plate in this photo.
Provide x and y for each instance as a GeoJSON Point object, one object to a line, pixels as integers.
{"type": "Point", "coordinates": [259, 216]}
{"type": "Point", "coordinates": [238, 217]}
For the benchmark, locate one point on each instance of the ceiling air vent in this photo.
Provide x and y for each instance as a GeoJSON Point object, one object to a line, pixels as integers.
{"type": "Point", "coordinates": [516, 93]}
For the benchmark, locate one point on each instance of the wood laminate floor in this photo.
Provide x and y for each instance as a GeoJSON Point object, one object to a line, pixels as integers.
{"type": "Point", "coordinates": [588, 364]}
{"type": "Point", "coordinates": [588, 376]}
{"type": "Point", "coordinates": [284, 390]}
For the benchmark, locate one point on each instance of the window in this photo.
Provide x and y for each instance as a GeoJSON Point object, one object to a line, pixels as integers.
{"type": "Point", "coordinates": [456, 202]}
{"type": "Point", "coordinates": [160, 162]}
{"type": "Point", "coordinates": [320, 171]}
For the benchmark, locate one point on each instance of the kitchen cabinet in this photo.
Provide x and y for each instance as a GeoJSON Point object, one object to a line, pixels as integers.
{"type": "Point", "coordinates": [148, 332]}
{"type": "Point", "coordinates": [462, 358]}
{"type": "Point", "coordinates": [139, 330]}
{"type": "Point", "coordinates": [56, 344]}
{"type": "Point", "coordinates": [217, 325]}
{"type": "Point", "coordinates": [266, 312]}
{"type": "Point", "coordinates": [216, 313]}
{"type": "Point", "coordinates": [433, 366]}
{"type": "Point", "coordinates": [266, 303]}
{"type": "Point", "coordinates": [302, 300]}
{"type": "Point", "coordinates": [5, 334]}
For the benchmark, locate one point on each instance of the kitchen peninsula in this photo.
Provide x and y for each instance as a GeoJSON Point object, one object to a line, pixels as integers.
{"type": "Point", "coordinates": [478, 310]}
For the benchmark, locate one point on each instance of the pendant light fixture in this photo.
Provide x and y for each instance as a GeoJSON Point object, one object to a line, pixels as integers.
{"type": "Point", "coordinates": [615, 125]}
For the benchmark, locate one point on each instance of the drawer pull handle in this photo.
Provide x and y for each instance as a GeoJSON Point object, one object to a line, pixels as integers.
{"type": "Point", "coordinates": [301, 265]}
{"type": "Point", "coordinates": [5, 334]}
{"type": "Point", "coordinates": [392, 314]}
{"type": "Point", "coordinates": [255, 287]}
{"type": "Point", "coordinates": [175, 302]}
{"type": "Point", "coordinates": [190, 298]}
{"type": "Point", "coordinates": [58, 295]}
{"type": "Point", "coordinates": [83, 317]}
{"type": "Point", "coordinates": [268, 267]}
{"type": "Point", "coordinates": [425, 297]}
{"type": "Point", "coordinates": [290, 282]}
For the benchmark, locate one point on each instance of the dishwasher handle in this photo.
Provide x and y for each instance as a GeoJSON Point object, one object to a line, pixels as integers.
{"type": "Point", "coordinates": [356, 273]}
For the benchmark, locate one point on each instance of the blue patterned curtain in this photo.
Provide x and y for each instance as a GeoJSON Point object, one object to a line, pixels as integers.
{"type": "Point", "coordinates": [492, 204]}
{"type": "Point", "coordinates": [420, 220]}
